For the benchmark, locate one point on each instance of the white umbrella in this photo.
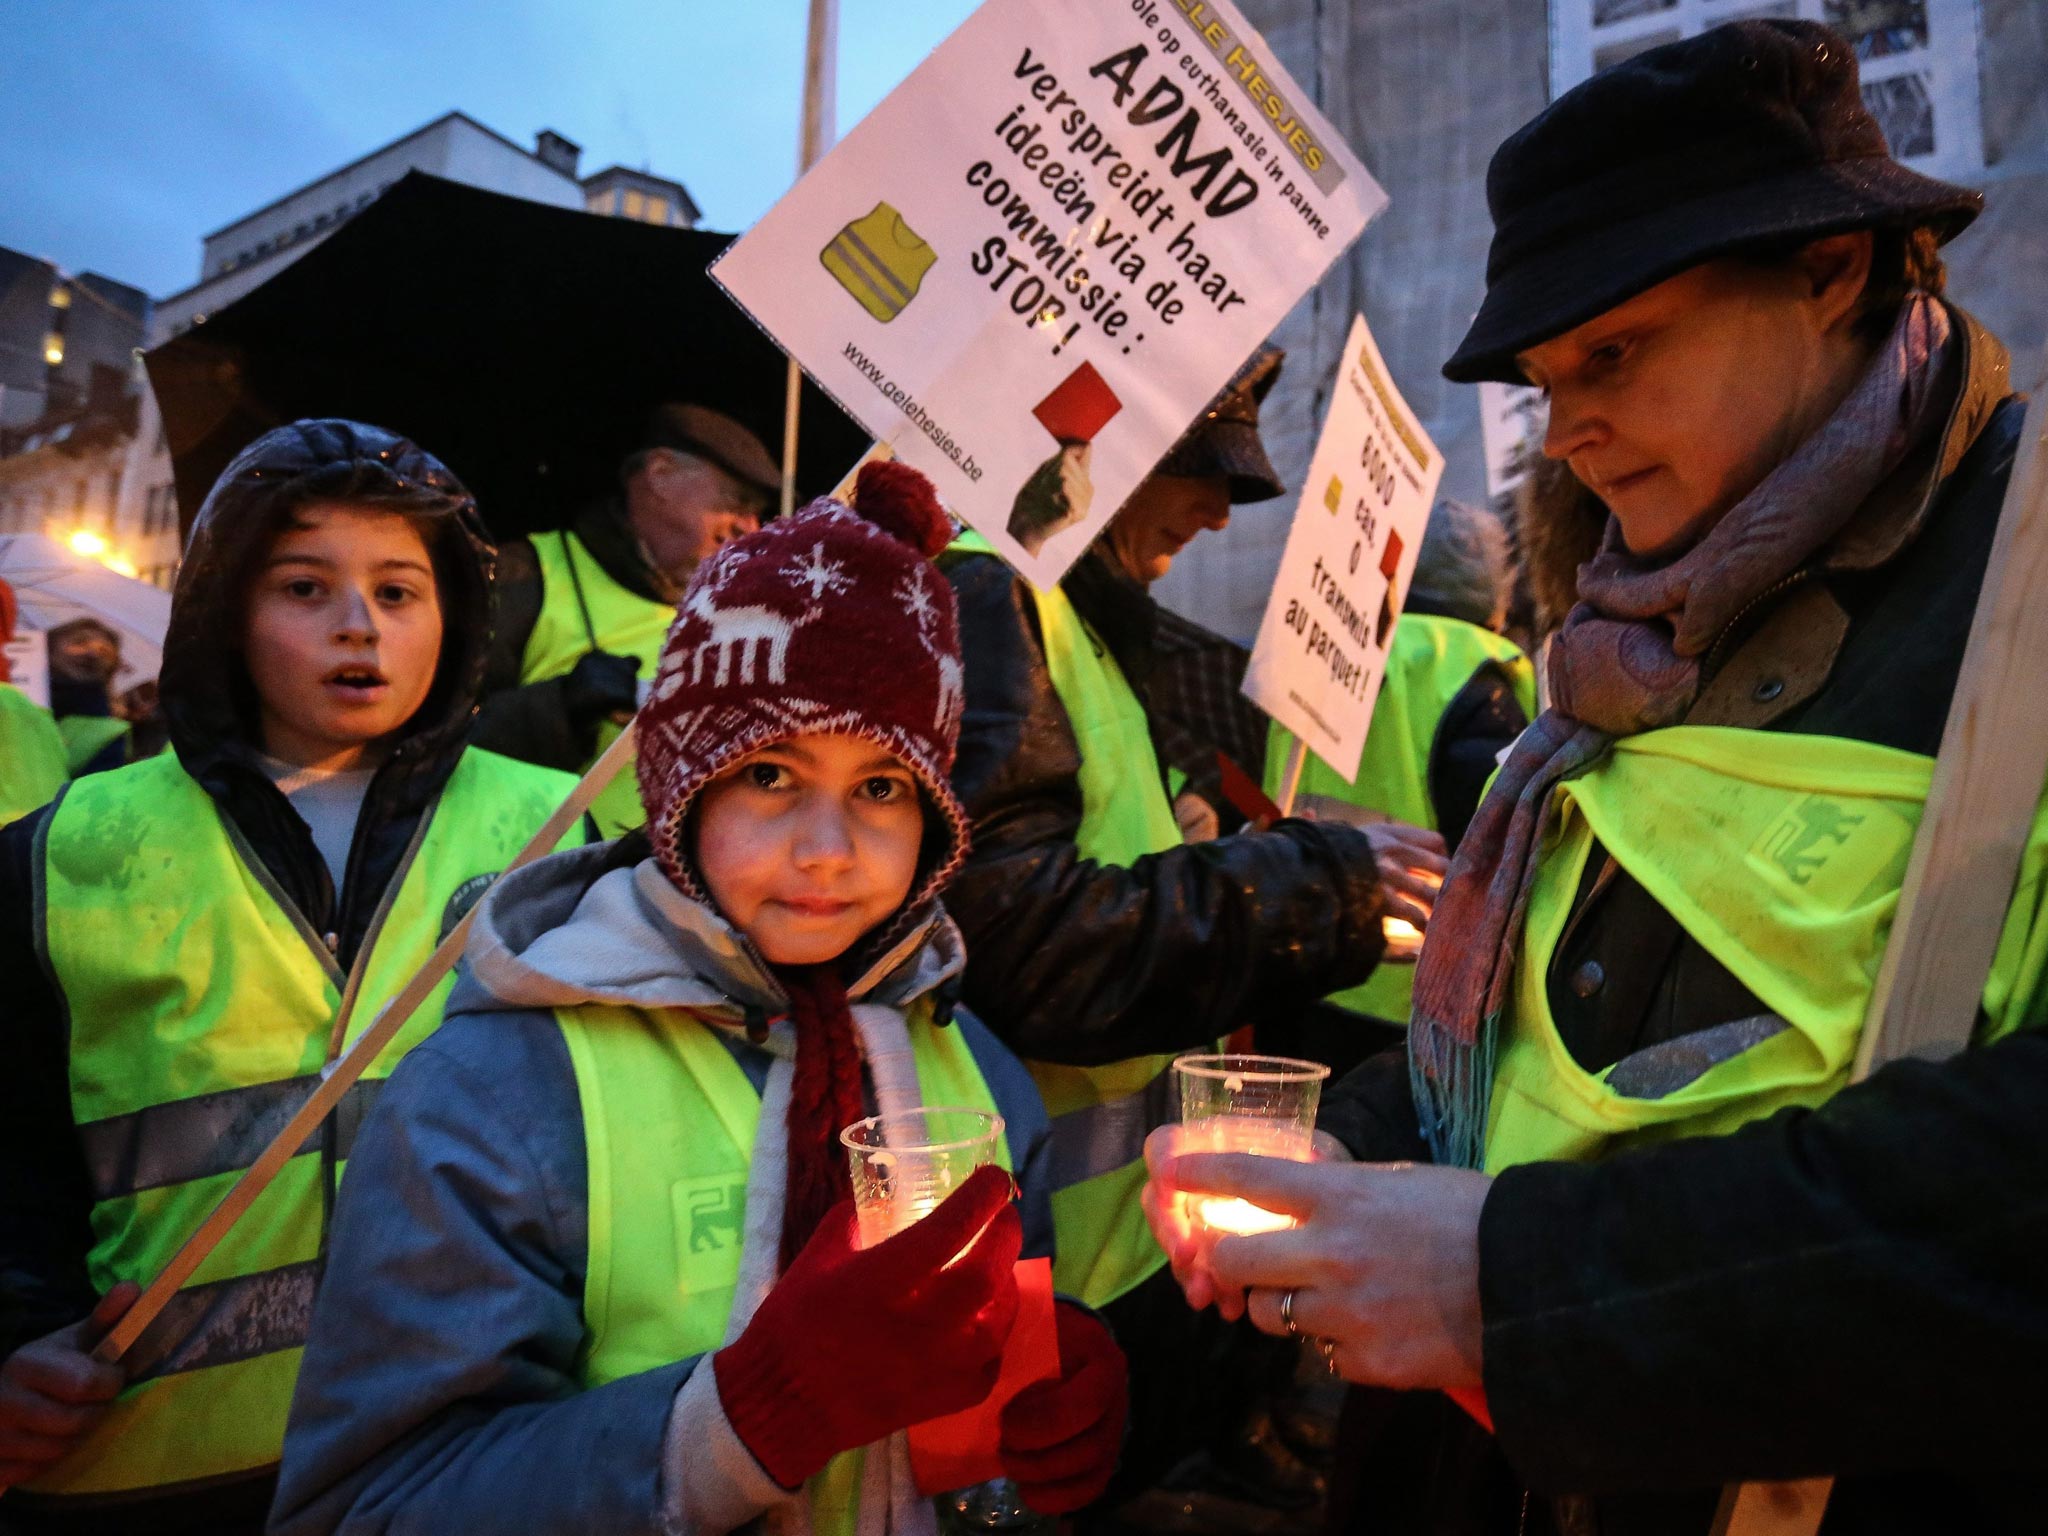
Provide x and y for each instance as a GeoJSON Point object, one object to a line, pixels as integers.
{"type": "Point", "coordinates": [55, 585]}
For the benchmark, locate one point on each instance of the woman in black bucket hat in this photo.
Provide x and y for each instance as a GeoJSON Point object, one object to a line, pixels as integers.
{"type": "Point", "coordinates": [1667, 1247]}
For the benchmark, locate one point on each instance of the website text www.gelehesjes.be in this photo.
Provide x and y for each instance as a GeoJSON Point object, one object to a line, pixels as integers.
{"type": "Point", "coordinates": [905, 402]}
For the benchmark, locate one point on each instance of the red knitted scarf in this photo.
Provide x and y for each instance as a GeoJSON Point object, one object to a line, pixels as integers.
{"type": "Point", "coordinates": [825, 1098]}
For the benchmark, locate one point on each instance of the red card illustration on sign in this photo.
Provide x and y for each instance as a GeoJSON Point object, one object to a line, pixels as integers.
{"type": "Point", "coordinates": [1081, 407]}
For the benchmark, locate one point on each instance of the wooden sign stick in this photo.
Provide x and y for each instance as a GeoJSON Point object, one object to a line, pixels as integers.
{"type": "Point", "coordinates": [1290, 778]}
{"type": "Point", "coordinates": [1966, 858]}
{"type": "Point", "coordinates": [341, 1074]}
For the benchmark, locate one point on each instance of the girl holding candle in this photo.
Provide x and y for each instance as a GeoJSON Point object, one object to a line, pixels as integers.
{"type": "Point", "coordinates": [597, 1268]}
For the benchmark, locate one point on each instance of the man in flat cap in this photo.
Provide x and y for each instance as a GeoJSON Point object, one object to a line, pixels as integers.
{"type": "Point", "coordinates": [582, 612]}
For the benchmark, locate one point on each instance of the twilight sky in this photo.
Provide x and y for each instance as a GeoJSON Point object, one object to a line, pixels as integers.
{"type": "Point", "coordinates": [130, 128]}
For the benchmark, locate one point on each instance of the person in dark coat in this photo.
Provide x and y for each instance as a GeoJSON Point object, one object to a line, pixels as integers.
{"type": "Point", "coordinates": [84, 656]}
{"type": "Point", "coordinates": [1668, 1248]}
{"type": "Point", "coordinates": [1101, 943]}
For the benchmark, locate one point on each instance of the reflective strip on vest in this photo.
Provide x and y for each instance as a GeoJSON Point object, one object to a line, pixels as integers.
{"type": "Point", "coordinates": [209, 1133]}
{"type": "Point", "coordinates": [622, 623]}
{"type": "Point", "coordinates": [200, 1007]}
{"type": "Point", "coordinates": [1782, 856]}
{"type": "Point", "coordinates": [1429, 664]}
{"type": "Point", "coordinates": [1101, 1115]}
{"type": "Point", "coordinates": [669, 1126]}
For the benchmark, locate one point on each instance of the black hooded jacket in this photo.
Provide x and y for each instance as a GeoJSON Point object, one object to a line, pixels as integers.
{"type": "Point", "coordinates": [209, 706]}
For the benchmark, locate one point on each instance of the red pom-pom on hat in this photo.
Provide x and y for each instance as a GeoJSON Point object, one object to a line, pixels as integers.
{"type": "Point", "coordinates": [900, 501]}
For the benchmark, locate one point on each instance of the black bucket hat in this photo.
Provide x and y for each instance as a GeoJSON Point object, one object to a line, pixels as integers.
{"type": "Point", "coordinates": [1751, 133]}
{"type": "Point", "coordinates": [1225, 439]}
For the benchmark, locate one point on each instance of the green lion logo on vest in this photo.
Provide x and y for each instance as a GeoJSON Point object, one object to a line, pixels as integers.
{"type": "Point", "coordinates": [1837, 852]}
{"type": "Point", "coordinates": [710, 1217]}
{"type": "Point", "coordinates": [1807, 835]}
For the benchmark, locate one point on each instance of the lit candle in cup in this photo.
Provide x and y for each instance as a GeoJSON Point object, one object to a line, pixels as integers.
{"type": "Point", "coordinates": [905, 1165]}
{"type": "Point", "coordinates": [1262, 1105]}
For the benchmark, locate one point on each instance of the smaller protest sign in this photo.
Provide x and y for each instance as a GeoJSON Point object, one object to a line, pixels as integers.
{"type": "Point", "coordinates": [28, 665]}
{"type": "Point", "coordinates": [1322, 647]}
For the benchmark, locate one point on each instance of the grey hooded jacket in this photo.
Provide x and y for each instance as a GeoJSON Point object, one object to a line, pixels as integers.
{"type": "Point", "coordinates": [440, 1389]}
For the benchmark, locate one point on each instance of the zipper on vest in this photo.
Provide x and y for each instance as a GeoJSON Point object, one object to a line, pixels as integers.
{"type": "Point", "coordinates": [315, 941]}
{"type": "Point", "coordinates": [338, 1035]}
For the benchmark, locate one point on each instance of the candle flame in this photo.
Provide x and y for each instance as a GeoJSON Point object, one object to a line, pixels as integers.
{"type": "Point", "coordinates": [1230, 1214]}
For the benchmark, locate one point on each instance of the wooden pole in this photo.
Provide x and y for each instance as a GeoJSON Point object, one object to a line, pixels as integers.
{"type": "Point", "coordinates": [821, 58]}
{"type": "Point", "coordinates": [342, 1073]}
{"type": "Point", "coordinates": [1966, 858]}
{"type": "Point", "coordinates": [1290, 777]}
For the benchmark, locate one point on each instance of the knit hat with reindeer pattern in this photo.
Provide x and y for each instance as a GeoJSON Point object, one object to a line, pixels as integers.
{"type": "Point", "coordinates": [832, 621]}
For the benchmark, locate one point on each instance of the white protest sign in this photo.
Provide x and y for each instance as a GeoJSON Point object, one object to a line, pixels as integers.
{"type": "Point", "coordinates": [28, 664]}
{"type": "Point", "coordinates": [1029, 269]}
{"type": "Point", "coordinates": [1322, 648]}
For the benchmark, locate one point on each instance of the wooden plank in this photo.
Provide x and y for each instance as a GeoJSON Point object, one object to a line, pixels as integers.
{"type": "Point", "coordinates": [341, 1074]}
{"type": "Point", "coordinates": [1966, 857]}
{"type": "Point", "coordinates": [1771, 1509]}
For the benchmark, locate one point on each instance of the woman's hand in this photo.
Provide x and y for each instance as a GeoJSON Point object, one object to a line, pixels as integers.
{"type": "Point", "coordinates": [1412, 863]}
{"type": "Point", "coordinates": [1384, 1261]}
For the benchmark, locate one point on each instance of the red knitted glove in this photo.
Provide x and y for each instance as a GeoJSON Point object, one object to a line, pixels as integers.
{"type": "Point", "coordinates": [851, 1345]}
{"type": "Point", "coordinates": [1060, 1439]}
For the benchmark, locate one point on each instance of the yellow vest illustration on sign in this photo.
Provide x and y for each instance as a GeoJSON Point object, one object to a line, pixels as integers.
{"type": "Point", "coordinates": [880, 260]}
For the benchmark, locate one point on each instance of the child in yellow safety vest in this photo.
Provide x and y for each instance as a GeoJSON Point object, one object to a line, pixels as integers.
{"type": "Point", "coordinates": [597, 1267]}
{"type": "Point", "coordinates": [178, 936]}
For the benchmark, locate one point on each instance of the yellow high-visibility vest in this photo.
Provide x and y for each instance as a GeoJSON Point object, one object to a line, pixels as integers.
{"type": "Point", "coordinates": [1782, 856]}
{"type": "Point", "coordinates": [669, 1122]}
{"type": "Point", "coordinates": [880, 260]}
{"type": "Point", "coordinates": [201, 1006]}
{"type": "Point", "coordinates": [584, 610]}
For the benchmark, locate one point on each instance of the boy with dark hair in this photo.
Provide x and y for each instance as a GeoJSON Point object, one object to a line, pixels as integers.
{"type": "Point", "coordinates": [188, 940]}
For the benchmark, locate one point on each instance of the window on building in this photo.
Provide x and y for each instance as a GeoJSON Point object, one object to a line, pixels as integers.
{"type": "Point", "coordinates": [636, 204]}
{"type": "Point", "coordinates": [60, 297]}
{"type": "Point", "coordinates": [53, 349]}
{"type": "Point", "coordinates": [1918, 59]}
{"type": "Point", "coordinates": [657, 209]}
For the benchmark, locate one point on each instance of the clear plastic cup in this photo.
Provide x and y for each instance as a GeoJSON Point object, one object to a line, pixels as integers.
{"type": "Point", "coordinates": [905, 1164]}
{"type": "Point", "coordinates": [1263, 1105]}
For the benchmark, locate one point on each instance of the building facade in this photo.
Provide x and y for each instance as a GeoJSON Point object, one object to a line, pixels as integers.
{"type": "Point", "coordinates": [58, 333]}
{"type": "Point", "coordinates": [242, 255]}
{"type": "Point", "coordinates": [1425, 90]}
